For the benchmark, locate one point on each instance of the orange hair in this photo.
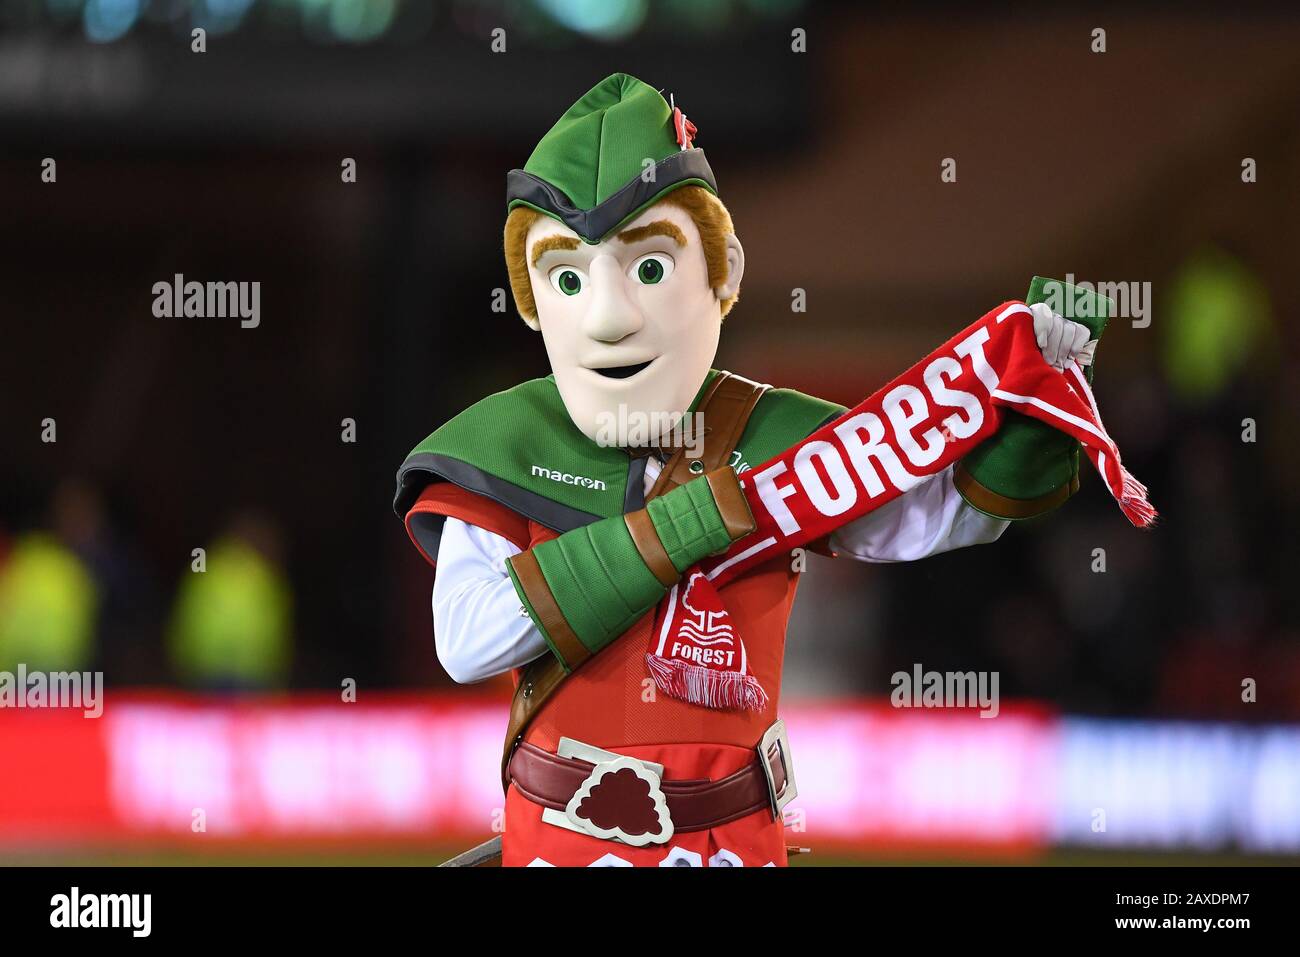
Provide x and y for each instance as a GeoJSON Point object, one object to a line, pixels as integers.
{"type": "Point", "coordinates": [706, 211]}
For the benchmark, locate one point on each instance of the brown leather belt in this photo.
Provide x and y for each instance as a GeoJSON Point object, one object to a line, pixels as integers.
{"type": "Point", "coordinates": [550, 780]}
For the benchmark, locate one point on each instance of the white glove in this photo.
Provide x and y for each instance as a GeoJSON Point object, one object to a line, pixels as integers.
{"type": "Point", "coordinates": [1060, 339]}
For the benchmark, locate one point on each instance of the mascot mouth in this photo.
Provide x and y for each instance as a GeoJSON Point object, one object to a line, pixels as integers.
{"type": "Point", "coordinates": [623, 372]}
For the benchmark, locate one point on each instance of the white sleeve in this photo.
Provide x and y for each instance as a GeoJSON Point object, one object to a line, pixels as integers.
{"type": "Point", "coordinates": [926, 520]}
{"type": "Point", "coordinates": [480, 627]}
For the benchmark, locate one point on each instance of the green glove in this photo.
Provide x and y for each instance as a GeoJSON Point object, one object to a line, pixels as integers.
{"type": "Point", "coordinates": [590, 585]}
{"type": "Point", "coordinates": [1028, 467]}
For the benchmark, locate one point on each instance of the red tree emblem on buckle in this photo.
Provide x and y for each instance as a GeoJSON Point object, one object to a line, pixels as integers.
{"type": "Point", "coordinates": [622, 800]}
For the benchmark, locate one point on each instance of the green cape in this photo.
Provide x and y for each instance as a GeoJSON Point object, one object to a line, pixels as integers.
{"type": "Point", "coordinates": [520, 448]}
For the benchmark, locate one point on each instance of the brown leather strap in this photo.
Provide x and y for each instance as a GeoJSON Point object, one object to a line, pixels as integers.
{"type": "Point", "coordinates": [999, 506]}
{"type": "Point", "coordinates": [564, 640]}
{"type": "Point", "coordinates": [725, 407]}
{"type": "Point", "coordinates": [737, 519]}
{"type": "Point", "coordinates": [539, 680]}
{"type": "Point", "coordinates": [651, 548]}
{"type": "Point", "coordinates": [550, 780]}
{"type": "Point", "coordinates": [727, 415]}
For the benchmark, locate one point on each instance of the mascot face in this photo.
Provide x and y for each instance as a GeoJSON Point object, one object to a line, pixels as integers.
{"type": "Point", "coordinates": [631, 324]}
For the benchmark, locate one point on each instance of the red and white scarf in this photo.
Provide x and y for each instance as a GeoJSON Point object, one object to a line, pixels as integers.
{"type": "Point", "coordinates": [903, 434]}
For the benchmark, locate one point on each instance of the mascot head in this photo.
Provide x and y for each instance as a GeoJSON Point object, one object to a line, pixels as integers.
{"type": "Point", "coordinates": [621, 254]}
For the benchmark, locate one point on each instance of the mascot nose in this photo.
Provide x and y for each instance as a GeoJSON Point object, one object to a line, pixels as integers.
{"type": "Point", "coordinates": [612, 315]}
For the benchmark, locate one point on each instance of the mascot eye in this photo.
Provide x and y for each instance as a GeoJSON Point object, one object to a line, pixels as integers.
{"type": "Point", "coordinates": [651, 269]}
{"type": "Point", "coordinates": [567, 280]}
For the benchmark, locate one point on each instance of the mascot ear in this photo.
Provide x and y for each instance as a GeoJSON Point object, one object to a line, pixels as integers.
{"type": "Point", "coordinates": [735, 269]}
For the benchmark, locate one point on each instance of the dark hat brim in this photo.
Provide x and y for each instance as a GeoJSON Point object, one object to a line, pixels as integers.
{"type": "Point", "coordinates": [685, 168]}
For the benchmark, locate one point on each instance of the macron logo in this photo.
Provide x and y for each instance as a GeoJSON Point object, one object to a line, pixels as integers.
{"type": "Point", "coordinates": [568, 478]}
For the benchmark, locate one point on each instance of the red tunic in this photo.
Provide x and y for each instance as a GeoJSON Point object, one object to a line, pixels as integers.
{"type": "Point", "coordinates": [612, 702]}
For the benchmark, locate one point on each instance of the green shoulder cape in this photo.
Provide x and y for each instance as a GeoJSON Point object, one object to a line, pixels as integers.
{"type": "Point", "coordinates": [520, 448]}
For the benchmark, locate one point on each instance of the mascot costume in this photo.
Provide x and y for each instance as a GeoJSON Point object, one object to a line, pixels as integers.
{"type": "Point", "coordinates": [619, 534]}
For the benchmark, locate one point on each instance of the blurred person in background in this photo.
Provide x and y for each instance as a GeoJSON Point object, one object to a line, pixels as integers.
{"type": "Point", "coordinates": [70, 592]}
{"type": "Point", "coordinates": [231, 627]}
{"type": "Point", "coordinates": [76, 596]}
{"type": "Point", "coordinates": [48, 604]}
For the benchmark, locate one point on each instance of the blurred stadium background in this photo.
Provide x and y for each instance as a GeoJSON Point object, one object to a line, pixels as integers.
{"type": "Point", "coordinates": [1121, 691]}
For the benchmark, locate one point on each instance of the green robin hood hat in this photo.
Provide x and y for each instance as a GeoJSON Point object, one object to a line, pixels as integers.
{"type": "Point", "coordinates": [587, 171]}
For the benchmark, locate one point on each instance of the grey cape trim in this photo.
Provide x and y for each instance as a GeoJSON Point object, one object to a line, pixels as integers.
{"type": "Point", "coordinates": [634, 497]}
{"type": "Point", "coordinates": [540, 509]}
{"type": "Point", "coordinates": [418, 470]}
{"type": "Point", "coordinates": [595, 223]}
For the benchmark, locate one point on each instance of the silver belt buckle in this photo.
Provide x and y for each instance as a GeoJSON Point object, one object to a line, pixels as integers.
{"type": "Point", "coordinates": [778, 767]}
{"type": "Point", "coordinates": [598, 808]}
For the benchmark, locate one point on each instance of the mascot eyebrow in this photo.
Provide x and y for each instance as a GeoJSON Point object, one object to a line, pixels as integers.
{"type": "Point", "coordinates": [660, 227]}
{"type": "Point", "coordinates": [545, 245]}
